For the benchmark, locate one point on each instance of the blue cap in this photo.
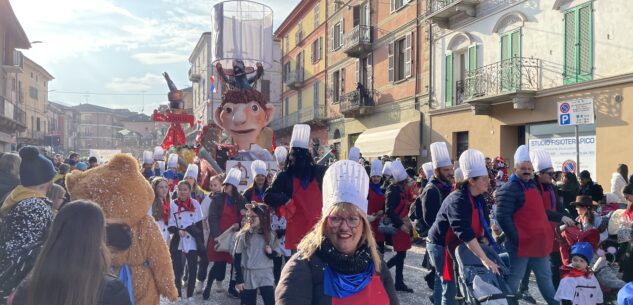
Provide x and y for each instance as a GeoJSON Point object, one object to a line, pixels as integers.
{"type": "Point", "coordinates": [82, 166]}
{"type": "Point", "coordinates": [625, 296]}
{"type": "Point", "coordinates": [582, 249]}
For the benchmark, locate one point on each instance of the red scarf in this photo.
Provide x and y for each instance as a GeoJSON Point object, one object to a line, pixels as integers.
{"type": "Point", "coordinates": [166, 209]}
{"type": "Point", "coordinates": [568, 271]}
{"type": "Point", "coordinates": [187, 205]}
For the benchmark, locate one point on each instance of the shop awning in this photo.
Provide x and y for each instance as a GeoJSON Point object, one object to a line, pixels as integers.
{"type": "Point", "coordinates": [402, 139]}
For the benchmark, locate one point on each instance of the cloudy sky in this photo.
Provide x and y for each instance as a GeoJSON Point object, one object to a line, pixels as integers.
{"type": "Point", "coordinates": [116, 50]}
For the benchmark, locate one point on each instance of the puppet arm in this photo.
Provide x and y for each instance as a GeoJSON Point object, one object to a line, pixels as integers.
{"type": "Point", "coordinates": [159, 261]}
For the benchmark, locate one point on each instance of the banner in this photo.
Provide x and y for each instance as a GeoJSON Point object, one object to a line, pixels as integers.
{"type": "Point", "coordinates": [247, 175]}
{"type": "Point", "coordinates": [563, 152]}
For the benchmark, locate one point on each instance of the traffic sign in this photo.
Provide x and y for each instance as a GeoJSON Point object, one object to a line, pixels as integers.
{"type": "Point", "coordinates": [569, 166]}
{"type": "Point", "coordinates": [576, 112]}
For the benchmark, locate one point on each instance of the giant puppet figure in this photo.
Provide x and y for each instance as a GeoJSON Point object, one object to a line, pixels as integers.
{"type": "Point", "coordinates": [175, 134]}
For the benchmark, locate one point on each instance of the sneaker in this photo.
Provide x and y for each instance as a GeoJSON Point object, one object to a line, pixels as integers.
{"type": "Point", "coordinates": [199, 287]}
{"type": "Point", "coordinates": [219, 287]}
{"type": "Point", "coordinates": [190, 301]}
{"type": "Point", "coordinates": [528, 298]}
{"type": "Point", "coordinates": [233, 293]}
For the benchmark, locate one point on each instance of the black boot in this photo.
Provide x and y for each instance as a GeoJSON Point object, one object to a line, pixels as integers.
{"type": "Point", "coordinates": [403, 287]}
{"type": "Point", "coordinates": [207, 290]}
{"type": "Point", "coordinates": [233, 293]}
{"type": "Point", "coordinates": [430, 279]}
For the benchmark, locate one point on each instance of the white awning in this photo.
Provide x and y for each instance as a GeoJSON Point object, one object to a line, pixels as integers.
{"type": "Point", "coordinates": [402, 139]}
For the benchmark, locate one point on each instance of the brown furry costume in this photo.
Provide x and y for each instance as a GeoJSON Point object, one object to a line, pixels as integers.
{"type": "Point", "coordinates": [125, 196]}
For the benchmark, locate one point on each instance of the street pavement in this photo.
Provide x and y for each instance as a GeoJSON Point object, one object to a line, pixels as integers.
{"type": "Point", "coordinates": [413, 274]}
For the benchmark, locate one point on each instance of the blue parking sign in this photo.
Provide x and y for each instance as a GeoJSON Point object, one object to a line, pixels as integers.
{"type": "Point", "coordinates": [564, 119]}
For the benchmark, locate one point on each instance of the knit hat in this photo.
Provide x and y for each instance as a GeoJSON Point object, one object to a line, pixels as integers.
{"type": "Point", "coordinates": [159, 153]}
{"type": "Point", "coordinates": [172, 162]}
{"type": "Point", "coordinates": [82, 166]}
{"type": "Point", "coordinates": [582, 249]}
{"type": "Point", "coordinates": [397, 171]}
{"type": "Point", "coordinates": [281, 153]}
{"type": "Point", "coordinates": [473, 164]}
{"type": "Point", "coordinates": [35, 169]}
{"type": "Point", "coordinates": [345, 181]}
{"type": "Point", "coordinates": [386, 169]}
{"type": "Point", "coordinates": [300, 136]}
{"type": "Point", "coordinates": [440, 155]}
{"type": "Point", "coordinates": [258, 167]}
{"type": "Point", "coordinates": [541, 160]}
{"type": "Point", "coordinates": [625, 295]}
{"type": "Point", "coordinates": [192, 171]}
{"type": "Point", "coordinates": [233, 177]}
{"type": "Point", "coordinates": [354, 154]}
{"type": "Point", "coordinates": [376, 168]}
{"type": "Point", "coordinates": [522, 154]}
{"type": "Point", "coordinates": [148, 157]}
{"type": "Point", "coordinates": [428, 169]}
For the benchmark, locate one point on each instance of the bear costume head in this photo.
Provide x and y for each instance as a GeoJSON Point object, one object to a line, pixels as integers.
{"type": "Point", "coordinates": [118, 187]}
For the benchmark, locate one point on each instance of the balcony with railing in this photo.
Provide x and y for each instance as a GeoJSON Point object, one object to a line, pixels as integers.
{"type": "Point", "coordinates": [516, 79]}
{"type": "Point", "coordinates": [459, 92]}
{"type": "Point", "coordinates": [440, 11]}
{"type": "Point", "coordinates": [294, 79]}
{"type": "Point", "coordinates": [357, 43]}
{"type": "Point", "coordinates": [357, 102]}
{"type": "Point", "coordinates": [193, 76]}
{"type": "Point", "coordinates": [12, 118]}
{"type": "Point", "coordinates": [302, 116]}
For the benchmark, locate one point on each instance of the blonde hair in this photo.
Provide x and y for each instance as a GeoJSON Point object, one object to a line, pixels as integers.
{"type": "Point", "coordinates": [313, 240]}
{"type": "Point", "coordinates": [219, 178]}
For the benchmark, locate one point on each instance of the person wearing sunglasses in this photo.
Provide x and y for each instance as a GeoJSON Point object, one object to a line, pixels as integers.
{"type": "Point", "coordinates": [338, 260]}
{"type": "Point", "coordinates": [556, 214]}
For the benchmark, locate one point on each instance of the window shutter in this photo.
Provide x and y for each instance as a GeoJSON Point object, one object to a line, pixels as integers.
{"type": "Point", "coordinates": [585, 43]}
{"type": "Point", "coordinates": [472, 58]}
{"type": "Point", "coordinates": [342, 82]}
{"type": "Point", "coordinates": [342, 32]}
{"type": "Point", "coordinates": [312, 57]}
{"type": "Point", "coordinates": [316, 94]}
{"type": "Point", "coordinates": [320, 48]}
{"type": "Point", "coordinates": [569, 73]}
{"type": "Point", "coordinates": [407, 55]}
{"type": "Point", "coordinates": [330, 87]}
{"type": "Point", "coordinates": [370, 60]}
{"type": "Point", "coordinates": [391, 63]}
{"type": "Point", "coordinates": [516, 44]}
{"type": "Point", "coordinates": [448, 95]}
{"type": "Point", "coordinates": [357, 70]}
{"type": "Point", "coordinates": [332, 39]}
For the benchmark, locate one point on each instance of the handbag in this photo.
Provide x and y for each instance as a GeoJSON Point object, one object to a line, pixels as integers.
{"type": "Point", "coordinates": [225, 242]}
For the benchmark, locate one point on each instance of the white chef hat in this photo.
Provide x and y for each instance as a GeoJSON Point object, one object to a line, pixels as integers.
{"type": "Point", "coordinates": [172, 162]}
{"type": "Point", "coordinates": [281, 153]}
{"type": "Point", "coordinates": [354, 154]}
{"type": "Point", "coordinates": [233, 177]}
{"type": "Point", "coordinates": [161, 166]}
{"type": "Point", "coordinates": [300, 136]}
{"type": "Point", "coordinates": [376, 168]}
{"type": "Point", "coordinates": [459, 175]}
{"type": "Point", "coordinates": [521, 155]}
{"type": "Point", "coordinates": [345, 181]}
{"type": "Point", "coordinates": [258, 167]}
{"type": "Point", "coordinates": [397, 171]}
{"type": "Point", "coordinates": [428, 169]}
{"type": "Point", "coordinates": [541, 160]}
{"type": "Point", "coordinates": [148, 157]}
{"type": "Point", "coordinates": [159, 153]}
{"type": "Point", "coordinates": [473, 164]}
{"type": "Point", "coordinates": [440, 155]}
{"type": "Point", "coordinates": [192, 171]}
{"type": "Point", "coordinates": [386, 169]}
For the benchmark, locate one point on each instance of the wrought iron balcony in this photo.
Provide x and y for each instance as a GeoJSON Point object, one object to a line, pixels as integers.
{"type": "Point", "coordinates": [459, 92]}
{"type": "Point", "coordinates": [357, 102]}
{"type": "Point", "coordinates": [515, 79]}
{"type": "Point", "coordinates": [12, 118]}
{"type": "Point", "coordinates": [294, 79]}
{"type": "Point", "coordinates": [303, 116]}
{"type": "Point", "coordinates": [358, 42]}
{"type": "Point", "coordinates": [440, 11]}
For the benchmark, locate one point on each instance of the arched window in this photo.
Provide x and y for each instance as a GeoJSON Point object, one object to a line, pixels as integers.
{"type": "Point", "coordinates": [460, 59]}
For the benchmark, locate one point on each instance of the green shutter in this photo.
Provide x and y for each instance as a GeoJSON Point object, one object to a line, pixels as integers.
{"type": "Point", "coordinates": [515, 37]}
{"type": "Point", "coordinates": [585, 41]}
{"type": "Point", "coordinates": [505, 47]}
{"type": "Point", "coordinates": [504, 77]}
{"type": "Point", "coordinates": [469, 89]}
{"type": "Point", "coordinates": [448, 96]}
{"type": "Point", "coordinates": [472, 58]}
{"type": "Point", "coordinates": [570, 48]}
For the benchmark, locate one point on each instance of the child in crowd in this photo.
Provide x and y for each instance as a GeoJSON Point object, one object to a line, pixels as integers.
{"type": "Point", "coordinates": [253, 258]}
{"type": "Point", "coordinates": [186, 227]}
{"type": "Point", "coordinates": [578, 285]}
{"type": "Point", "coordinates": [215, 187]}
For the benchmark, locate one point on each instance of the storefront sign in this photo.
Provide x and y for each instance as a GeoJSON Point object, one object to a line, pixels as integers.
{"type": "Point", "coordinates": [562, 150]}
{"type": "Point", "coordinates": [247, 175]}
{"type": "Point", "coordinates": [576, 112]}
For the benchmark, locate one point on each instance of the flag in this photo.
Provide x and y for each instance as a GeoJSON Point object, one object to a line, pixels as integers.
{"type": "Point", "coordinates": [212, 88]}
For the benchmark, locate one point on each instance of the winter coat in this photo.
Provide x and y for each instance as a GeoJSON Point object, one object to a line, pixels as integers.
{"type": "Point", "coordinates": [281, 190]}
{"type": "Point", "coordinates": [593, 190]}
{"type": "Point", "coordinates": [215, 212]}
{"type": "Point", "coordinates": [113, 292]}
{"type": "Point", "coordinates": [455, 214]}
{"type": "Point", "coordinates": [301, 282]}
{"type": "Point", "coordinates": [617, 186]}
{"type": "Point", "coordinates": [23, 230]}
{"type": "Point", "coordinates": [7, 184]}
{"type": "Point", "coordinates": [393, 195]}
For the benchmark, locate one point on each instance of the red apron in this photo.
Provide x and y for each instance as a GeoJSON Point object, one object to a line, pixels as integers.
{"type": "Point", "coordinates": [547, 203]}
{"type": "Point", "coordinates": [533, 228]}
{"type": "Point", "coordinates": [230, 216]}
{"type": "Point", "coordinates": [307, 204]}
{"type": "Point", "coordinates": [374, 294]}
{"type": "Point", "coordinates": [402, 241]}
{"type": "Point", "coordinates": [451, 242]}
{"type": "Point", "coordinates": [375, 204]}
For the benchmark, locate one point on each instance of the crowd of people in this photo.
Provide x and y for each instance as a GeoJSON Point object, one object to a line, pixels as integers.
{"type": "Point", "coordinates": [310, 234]}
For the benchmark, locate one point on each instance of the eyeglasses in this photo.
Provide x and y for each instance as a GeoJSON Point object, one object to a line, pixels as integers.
{"type": "Point", "coordinates": [352, 221]}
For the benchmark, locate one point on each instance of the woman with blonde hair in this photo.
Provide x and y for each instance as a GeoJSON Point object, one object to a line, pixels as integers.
{"type": "Point", "coordinates": [338, 261]}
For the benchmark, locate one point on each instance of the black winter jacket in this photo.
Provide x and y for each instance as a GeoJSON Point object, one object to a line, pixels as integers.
{"type": "Point", "coordinates": [281, 191]}
{"type": "Point", "coordinates": [456, 214]}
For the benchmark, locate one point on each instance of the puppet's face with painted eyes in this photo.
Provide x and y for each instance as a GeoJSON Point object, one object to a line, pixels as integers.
{"type": "Point", "coordinates": [243, 121]}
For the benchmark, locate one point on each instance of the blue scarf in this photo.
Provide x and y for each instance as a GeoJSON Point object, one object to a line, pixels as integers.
{"type": "Point", "coordinates": [377, 188]}
{"type": "Point", "coordinates": [125, 276]}
{"type": "Point", "coordinates": [338, 285]}
{"type": "Point", "coordinates": [305, 182]}
{"type": "Point", "coordinates": [228, 200]}
{"type": "Point", "coordinates": [479, 205]}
